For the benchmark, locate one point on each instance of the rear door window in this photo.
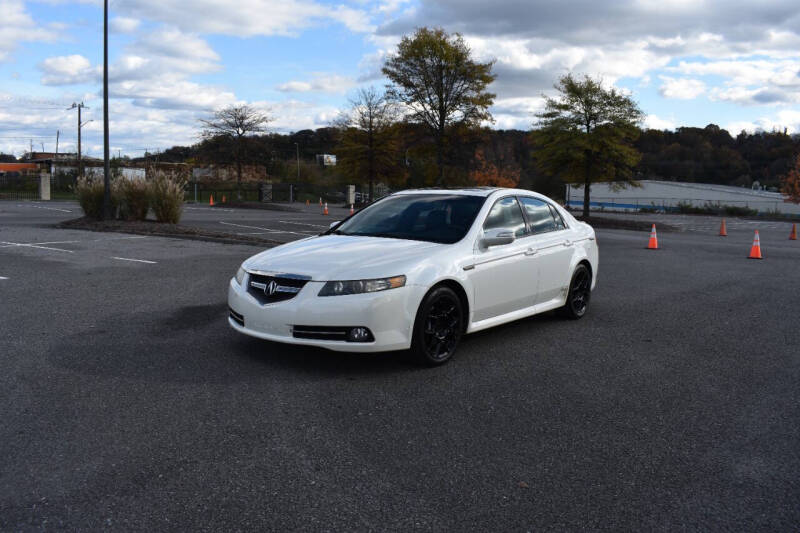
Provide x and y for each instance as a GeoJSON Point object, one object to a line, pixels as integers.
{"type": "Point", "coordinates": [540, 217]}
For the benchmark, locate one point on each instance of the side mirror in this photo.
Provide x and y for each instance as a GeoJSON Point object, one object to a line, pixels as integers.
{"type": "Point", "coordinates": [334, 223]}
{"type": "Point", "coordinates": [496, 237]}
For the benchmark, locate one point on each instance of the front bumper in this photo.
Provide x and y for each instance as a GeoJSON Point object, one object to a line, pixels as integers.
{"type": "Point", "coordinates": [388, 314]}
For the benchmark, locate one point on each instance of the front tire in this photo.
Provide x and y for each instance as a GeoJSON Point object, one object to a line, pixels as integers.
{"type": "Point", "coordinates": [438, 327]}
{"type": "Point", "coordinates": [580, 292]}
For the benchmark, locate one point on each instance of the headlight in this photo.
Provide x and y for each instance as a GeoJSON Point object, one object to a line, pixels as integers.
{"type": "Point", "coordinates": [240, 275]}
{"type": "Point", "coordinates": [337, 288]}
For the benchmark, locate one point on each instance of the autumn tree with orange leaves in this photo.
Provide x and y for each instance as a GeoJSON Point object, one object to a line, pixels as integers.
{"type": "Point", "coordinates": [486, 173]}
{"type": "Point", "coordinates": [790, 183]}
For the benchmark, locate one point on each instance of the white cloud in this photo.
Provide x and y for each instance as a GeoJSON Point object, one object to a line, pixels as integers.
{"type": "Point", "coordinates": [66, 70]}
{"type": "Point", "coordinates": [17, 26]}
{"type": "Point", "coordinates": [320, 82]}
{"type": "Point", "coordinates": [124, 25]}
{"type": "Point", "coordinates": [654, 122]}
{"type": "Point", "coordinates": [247, 18]}
{"type": "Point", "coordinates": [681, 88]}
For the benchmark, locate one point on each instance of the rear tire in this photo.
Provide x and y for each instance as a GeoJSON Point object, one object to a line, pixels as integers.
{"type": "Point", "coordinates": [580, 292]}
{"type": "Point", "coordinates": [438, 327]}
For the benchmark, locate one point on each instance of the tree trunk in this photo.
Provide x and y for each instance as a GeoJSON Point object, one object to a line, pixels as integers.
{"type": "Point", "coordinates": [239, 179]}
{"type": "Point", "coordinates": [371, 167]}
{"type": "Point", "coordinates": [440, 158]}
{"type": "Point", "coordinates": [587, 184]}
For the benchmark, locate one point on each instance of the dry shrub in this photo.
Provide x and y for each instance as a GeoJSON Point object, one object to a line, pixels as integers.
{"type": "Point", "coordinates": [89, 191]}
{"type": "Point", "coordinates": [134, 199]}
{"type": "Point", "coordinates": [166, 196]}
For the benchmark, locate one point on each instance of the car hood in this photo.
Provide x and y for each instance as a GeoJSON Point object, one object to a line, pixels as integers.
{"type": "Point", "coordinates": [342, 257]}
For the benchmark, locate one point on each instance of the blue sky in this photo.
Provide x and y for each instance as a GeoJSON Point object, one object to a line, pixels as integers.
{"type": "Point", "coordinates": [687, 63]}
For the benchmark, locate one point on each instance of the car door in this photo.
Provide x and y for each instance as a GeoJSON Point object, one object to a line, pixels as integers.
{"type": "Point", "coordinates": [503, 281]}
{"type": "Point", "coordinates": [553, 248]}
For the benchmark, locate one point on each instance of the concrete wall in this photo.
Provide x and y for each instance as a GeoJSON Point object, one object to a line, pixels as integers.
{"type": "Point", "coordinates": [668, 194]}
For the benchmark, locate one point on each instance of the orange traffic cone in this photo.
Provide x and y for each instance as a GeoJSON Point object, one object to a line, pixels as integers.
{"type": "Point", "coordinates": [325, 211]}
{"type": "Point", "coordinates": [653, 244]}
{"type": "Point", "coordinates": [320, 201]}
{"type": "Point", "coordinates": [755, 251]}
{"type": "Point", "coordinates": [723, 231]}
{"type": "Point", "coordinates": [351, 209]}
{"type": "Point", "coordinates": [211, 200]}
{"type": "Point", "coordinates": [223, 199]}
{"type": "Point", "coordinates": [306, 201]}
{"type": "Point", "coordinates": [793, 234]}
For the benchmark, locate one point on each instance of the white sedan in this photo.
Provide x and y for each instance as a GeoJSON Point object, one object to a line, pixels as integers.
{"type": "Point", "coordinates": [417, 270]}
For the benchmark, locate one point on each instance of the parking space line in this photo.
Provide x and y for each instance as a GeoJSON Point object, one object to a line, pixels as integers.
{"type": "Point", "coordinates": [35, 246]}
{"type": "Point", "coordinates": [266, 229]}
{"type": "Point", "coordinates": [135, 260]}
{"type": "Point", "coordinates": [119, 238]}
{"type": "Point", "coordinates": [48, 208]}
{"type": "Point", "coordinates": [303, 224]}
{"type": "Point", "coordinates": [36, 243]}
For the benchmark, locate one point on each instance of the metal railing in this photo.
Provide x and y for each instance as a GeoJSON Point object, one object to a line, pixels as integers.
{"type": "Point", "coordinates": [15, 186]}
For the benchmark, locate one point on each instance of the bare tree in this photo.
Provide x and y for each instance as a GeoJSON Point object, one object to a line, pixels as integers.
{"type": "Point", "coordinates": [368, 145]}
{"type": "Point", "coordinates": [235, 123]}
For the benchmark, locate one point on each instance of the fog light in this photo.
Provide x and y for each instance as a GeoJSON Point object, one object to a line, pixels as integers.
{"type": "Point", "coordinates": [359, 335]}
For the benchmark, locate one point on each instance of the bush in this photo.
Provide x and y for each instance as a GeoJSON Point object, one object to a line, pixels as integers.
{"type": "Point", "coordinates": [134, 199]}
{"type": "Point", "coordinates": [166, 197]}
{"type": "Point", "coordinates": [90, 192]}
{"type": "Point", "coordinates": [737, 211]}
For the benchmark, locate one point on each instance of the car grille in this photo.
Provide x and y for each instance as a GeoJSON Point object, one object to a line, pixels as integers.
{"type": "Point", "coordinates": [326, 333]}
{"type": "Point", "coordinates": [272, 289]}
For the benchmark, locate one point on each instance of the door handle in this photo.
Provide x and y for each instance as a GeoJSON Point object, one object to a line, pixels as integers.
{"type": "Point", "coordinates": [530, 251]}
{"type": "Point", "coordinates": [567, 243]}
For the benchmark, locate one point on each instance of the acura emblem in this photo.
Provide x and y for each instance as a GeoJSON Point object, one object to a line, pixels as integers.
{"type": "Point", "coordinates": [271, 287]}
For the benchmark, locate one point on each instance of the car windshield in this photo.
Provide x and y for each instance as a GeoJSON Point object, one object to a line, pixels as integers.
{"type": "Point", "coordinates": [443, 218]}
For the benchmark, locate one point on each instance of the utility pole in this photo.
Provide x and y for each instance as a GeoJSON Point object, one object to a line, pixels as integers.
{"type": "Point", "coordinates": [58, 134]}
{"type": "Point", "coordinates": [107, 166]}
{"type": "Point", "coordinates": [80, 125]}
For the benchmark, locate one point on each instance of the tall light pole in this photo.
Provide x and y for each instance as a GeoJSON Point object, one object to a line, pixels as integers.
{"type": "Point", "coordinates": [106, 164]}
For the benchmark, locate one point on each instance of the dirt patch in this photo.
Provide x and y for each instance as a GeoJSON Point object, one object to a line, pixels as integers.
{"type": "Point", "coordinates": [157, 229]}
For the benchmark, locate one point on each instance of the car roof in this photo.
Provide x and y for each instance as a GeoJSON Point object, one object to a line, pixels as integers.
{"type": "Point", "coordinates": [470, 191]}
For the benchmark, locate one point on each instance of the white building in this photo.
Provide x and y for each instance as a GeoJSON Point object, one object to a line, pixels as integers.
{"type": "Point", "coordinates": [666, 195]}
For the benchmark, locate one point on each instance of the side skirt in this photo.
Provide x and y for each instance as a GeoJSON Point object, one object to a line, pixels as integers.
{"type": "Point", "coordinates": [555, 303]}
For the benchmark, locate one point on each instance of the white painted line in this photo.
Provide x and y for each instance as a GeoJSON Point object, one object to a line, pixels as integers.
{"type": "Point", "coordinates": [48, 208]}
{"type": "Point", "coordinates": [35, 246]}
{"type": "Point", "coordinates": [303, 224]}
{"type": "Point", "coordinates": [265, 229]}
{"type": "Point", "coordinates": [3, 277]}
{"type": "Point", "coordinates": [54, 242]}
{"type": "Point", "coordinates": [119, 238]}
{"type": "Point", "coordinates": [135, 260]}
{"type": "Point", "coordinates": [219, 209]}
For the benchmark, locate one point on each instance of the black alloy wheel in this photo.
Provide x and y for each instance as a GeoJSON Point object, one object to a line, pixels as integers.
{"type": "Point", "coordinates": [580, 292]}
{"type": "Point", "coordinates": [438, 327]}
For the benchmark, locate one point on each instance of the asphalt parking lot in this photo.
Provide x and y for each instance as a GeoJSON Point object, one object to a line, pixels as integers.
{"type": "Point", "coordinates": [126, 402]}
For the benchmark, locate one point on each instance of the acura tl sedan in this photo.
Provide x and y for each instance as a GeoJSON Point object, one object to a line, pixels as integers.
{"type": "Point", "coordinates": [417, 270]}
